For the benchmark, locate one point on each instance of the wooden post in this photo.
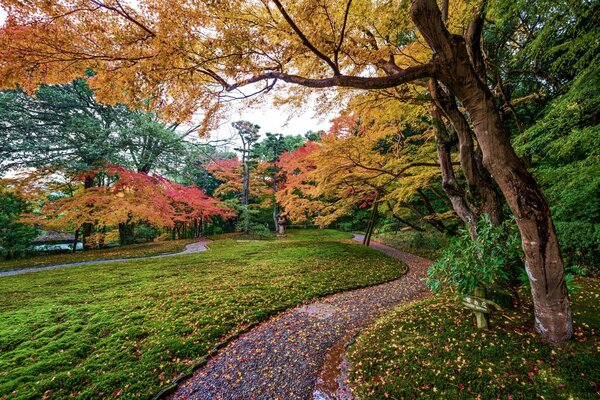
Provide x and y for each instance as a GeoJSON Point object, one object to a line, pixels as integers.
{"type": "Point", "coordinates": [482, 319]}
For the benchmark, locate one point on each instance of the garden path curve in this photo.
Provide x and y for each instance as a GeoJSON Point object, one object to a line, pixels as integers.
{"type": "Point", "coordinates": [297, 354]}
{"type": "Point", "coordinates": [195, 247]}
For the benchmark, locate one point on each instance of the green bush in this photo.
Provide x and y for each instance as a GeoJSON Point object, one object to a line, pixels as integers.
{"type": "Point", "coordinates": [492, 260]}
{"type": "Point", "coordinates": [260, 232]}
{"type": "Point", "coordinates": [15, 237]}
{"type": "Point", "coordinates": [146, 232]}
{"type": "Point", "coordinates": [580, 243]}
{"type": "Point", "coordinates": [428, 244]}
{"type": "Point", "coordinates": [346, 226]}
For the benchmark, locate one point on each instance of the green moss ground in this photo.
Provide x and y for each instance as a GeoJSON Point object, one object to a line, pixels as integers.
{"type": "Point", "coordinates": [132, 251]}
{"type": "Point", "coordinates": [432, 350]}
{"type": "Point", "coordinates": [127, 329]}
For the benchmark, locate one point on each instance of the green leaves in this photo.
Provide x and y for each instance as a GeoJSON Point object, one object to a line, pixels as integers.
{"type": "Point", "coordinates": [15, 237]}
{"type": "Point", "coordinates": [489, 260]}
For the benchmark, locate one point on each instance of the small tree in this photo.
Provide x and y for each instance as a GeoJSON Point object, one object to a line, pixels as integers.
{"type": "Point", "coordinates": [15, 237]}
{"type": "Point", "coordinates": [474, 266]}
{"type": "Point", "coordinates": [493, 259]}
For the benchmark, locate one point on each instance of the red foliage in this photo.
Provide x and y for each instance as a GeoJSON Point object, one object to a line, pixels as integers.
{"type": "Point", "coordinates": [130, 197]}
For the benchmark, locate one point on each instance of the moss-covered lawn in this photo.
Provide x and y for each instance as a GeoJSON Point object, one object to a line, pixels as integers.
{"type": "Point", "coordinates": [431, 349]}
{"type": "Point", "coordinates": [132, 251]}
{"type": "Point", "coordinates": [127, 329]}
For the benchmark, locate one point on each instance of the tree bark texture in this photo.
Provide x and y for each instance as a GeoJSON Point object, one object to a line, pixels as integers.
{"type": "Point", "coordinates": [543, 262]}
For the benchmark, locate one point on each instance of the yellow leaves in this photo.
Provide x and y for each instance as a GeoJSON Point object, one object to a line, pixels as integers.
{"type": "Point", "coordinates": [178, 57]}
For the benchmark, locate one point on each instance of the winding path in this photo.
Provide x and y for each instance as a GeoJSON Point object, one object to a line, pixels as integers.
{"type": "Point", "coordinates": [297, 354]}
{"type": "Point", "coordinates": [188, 249]}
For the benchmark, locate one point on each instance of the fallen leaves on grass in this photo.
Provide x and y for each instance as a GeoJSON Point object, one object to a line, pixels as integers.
{"type": "Point", "coordinates": [431, 349]}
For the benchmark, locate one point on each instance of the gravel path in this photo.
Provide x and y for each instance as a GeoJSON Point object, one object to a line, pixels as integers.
{"type": "Point", "coordinates": [293, 355]}
{"type": "Point", "coordinates": [190, 248]}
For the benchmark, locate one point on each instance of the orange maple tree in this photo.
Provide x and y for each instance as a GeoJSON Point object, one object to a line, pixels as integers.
{"type": "Point", "coordinates": [297, 192]}
{"type": "Point", "coordinates": [128, 198]}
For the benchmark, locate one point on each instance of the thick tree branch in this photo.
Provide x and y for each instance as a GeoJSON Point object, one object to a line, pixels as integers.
{"type": "Point", "coordinates": [359, 82]}
{"type": "Point", "coordinates": [473, 40]}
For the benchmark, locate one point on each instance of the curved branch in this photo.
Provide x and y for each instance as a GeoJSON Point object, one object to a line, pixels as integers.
{"type": "Point", "coordinates": [358, 82]}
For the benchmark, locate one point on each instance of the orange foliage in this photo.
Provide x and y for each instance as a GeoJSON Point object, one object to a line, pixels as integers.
{"type": "Point", "coordinates": [130, 197]}
{"type": "Point", "coordinates": [229, 172]}
{"type": "Point", "coordinates": [298, 193]}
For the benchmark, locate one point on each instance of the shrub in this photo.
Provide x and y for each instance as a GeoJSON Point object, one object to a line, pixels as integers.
{"type": "Point", "coordinates": [428, 244]}
{"type": "Point", "coordinates": [15, 237]}
{"type": "Point", "coordinates": [146, 232]}
{"type": "Point", "coordinates": [580, 243]}
{"type": "Point", "coordinates": [492, 260]}
{"type": "Point", "coordinates": [260, 232]}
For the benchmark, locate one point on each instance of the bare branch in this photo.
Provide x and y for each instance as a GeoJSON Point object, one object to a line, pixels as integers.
{"type": "Point", "coordinates": [122, 12]}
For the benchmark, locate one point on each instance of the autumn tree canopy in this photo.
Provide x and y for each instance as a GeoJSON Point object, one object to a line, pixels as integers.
{"type": "Point", "coordinates": [119, 199]}
{"type": "Point", "coordinates": [180, 58]}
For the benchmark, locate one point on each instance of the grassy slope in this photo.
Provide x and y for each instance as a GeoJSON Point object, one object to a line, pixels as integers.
{"type": "Point", "coordinates": [135, 250]}
{"type": "Point", "coordinates": [127, 329]}
{"type": "Point", "coordinates": [431, 349]}
{"type": "Point", "coordinates": [425, 244]}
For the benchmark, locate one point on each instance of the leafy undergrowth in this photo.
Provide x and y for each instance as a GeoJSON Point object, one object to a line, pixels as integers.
{"type": "Point", "coordinates": [127, 329]}
{"type": "Point", "coordinates": [424, 244]}
{"type": "Point", "coordinates": [134, 250]}
{"type": "Point", "coordinates": [432, 349]}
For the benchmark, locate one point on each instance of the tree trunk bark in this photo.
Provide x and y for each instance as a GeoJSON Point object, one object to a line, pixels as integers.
{"type": "Point", "coordinates": [543, 262]}
{"type": "Point", "coordinates": [524, 197]}
{"type": "Point", "coordinates": [371, 226]}
{"type": "Point", "coordinates": [275, 208]}
{"type": "Point", "coordinates": [88, 183]}
{"type": "Point", "coordinates": [126, 233]}
{"type": "Point", "coordinates": [481, 192]}
{"type": "Point", "coordinates": [449, 183]}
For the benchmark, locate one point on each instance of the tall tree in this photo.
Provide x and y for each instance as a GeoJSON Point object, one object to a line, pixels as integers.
{"type": "Point", "coordinates": [248, 134]}
{"type": "Point", "coordinates": [15, 236]}
{"type": "Point", "coordinates": [62, 126]}
{"type": "Point", "coordinates": [270, 150]}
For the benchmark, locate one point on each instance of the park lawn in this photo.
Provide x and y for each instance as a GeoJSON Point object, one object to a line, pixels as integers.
{"type": "Point", "coordinates": [127, 329]}
{"type": "Point", "coordinates": [131, 251]}
{"type": "Point", "coordinates": [431, 349]}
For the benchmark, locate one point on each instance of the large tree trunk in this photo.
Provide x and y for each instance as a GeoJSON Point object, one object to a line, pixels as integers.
{"type": "Point", "coordinates": [75, 240]}
{"type": "Point", "coordinates": [126, 233]}
{"type": "Point", "coordinates": [542, 254]}
{"type": "Point", "coordinates": [543, 262]}
{"type": "Point", "coordinates": [481, 192]}
{"type": "Point", "coordinates": [449, 184]}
